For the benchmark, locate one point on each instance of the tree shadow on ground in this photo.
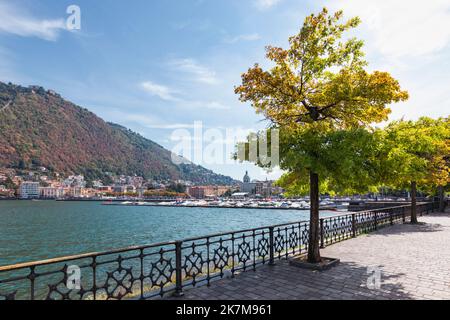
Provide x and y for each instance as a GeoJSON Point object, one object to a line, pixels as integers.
{"type": "Point", "coordinates": [389, 286]}
{"type": "Point", "coordinates": [347, 281]}
{"type": "Point", "coordinates": [421, 227]}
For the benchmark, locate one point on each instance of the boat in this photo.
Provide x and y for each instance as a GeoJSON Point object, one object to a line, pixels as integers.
{"type": "Point", "coordinates": [285, 205]}
{"type": "Point", "coordinates": [266, 204]}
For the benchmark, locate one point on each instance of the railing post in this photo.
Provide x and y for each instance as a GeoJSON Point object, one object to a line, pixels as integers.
{"type": "Point", "coordinates": [404, 214]}
{"type": "Point", "coordinates": [322, 235]}
{"type": "Point", "coordinates": [271, 247]}
{"type": "Point", "coordinates": [391, 217]}
{"type": "Point", "coordinates": [178, 271]}
{"type": "Point", "coordinates": [354, 225]}
{"type": "Point", "coordinates": [375, 220]}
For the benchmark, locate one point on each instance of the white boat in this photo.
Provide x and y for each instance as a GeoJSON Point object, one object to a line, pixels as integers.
{"type": "Point", "coordinates": [343, 205]}
{"type": "Point", "coordinates": [266, 204]}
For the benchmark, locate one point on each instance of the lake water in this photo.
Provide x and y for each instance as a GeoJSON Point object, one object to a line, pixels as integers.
{"type": "Point", "coordinates": [37, 230]}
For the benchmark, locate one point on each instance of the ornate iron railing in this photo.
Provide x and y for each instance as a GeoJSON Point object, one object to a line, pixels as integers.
{"type": "Point", "coordinates": [162, 269]}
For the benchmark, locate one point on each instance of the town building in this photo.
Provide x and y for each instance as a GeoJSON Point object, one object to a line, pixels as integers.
{"type": "Point", "coordinates": [247, 186]}
{"type": "Point", "coordinates": [135, 181]}
{"type": "Point", "coordinates": [263, 188]}
{"type": "Point", "coordinates": [260, 188]}
{"type": "Point", "coordinates": [106, 189]}
{"type": "Point", "coordinates": [29, 190]}
{"type": "Point", "coordinates": [76, 192]}
{"type": "Point", "coordinates": [201, 192]}
{"type": "Point", "coordinates": [119, 189]}
{"type": "Point", "coordinates": [97, 184]}
{"type": "Point", "coordinates": [52, 192]}
{"type": "Point", "coordinates": [75, 181]}
{"type": "Point", "coordinates": [240, 195]}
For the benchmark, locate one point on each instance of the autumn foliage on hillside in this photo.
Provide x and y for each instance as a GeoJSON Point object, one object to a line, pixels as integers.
{"type": "Point", "coordinates": [39, 128]}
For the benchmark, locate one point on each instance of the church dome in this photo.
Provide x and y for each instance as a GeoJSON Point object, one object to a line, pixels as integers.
{"type": "Point", "coordinates": [246, 177]}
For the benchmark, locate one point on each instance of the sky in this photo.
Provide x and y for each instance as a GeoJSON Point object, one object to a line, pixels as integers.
{"type": "Point", "coordinates": [167, 68]}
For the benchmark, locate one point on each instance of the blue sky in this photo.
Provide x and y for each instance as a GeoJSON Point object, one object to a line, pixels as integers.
{"type": "Point", "coordinates": [159, 66]}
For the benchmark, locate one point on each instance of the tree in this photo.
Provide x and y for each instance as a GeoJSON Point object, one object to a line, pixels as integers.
{"type": "Point", "coordinates": [418, 154]}
{"type": "Point", "coordinates": [177, 188]}
{"type": "Point", "coordinates": [319, 84]}
{"type": "Point", "coordinates": [9, 184]}
{"type": "Point", "coordinates": [348, 160]}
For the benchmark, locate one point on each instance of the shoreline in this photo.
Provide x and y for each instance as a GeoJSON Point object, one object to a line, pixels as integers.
{"type": "Point", "coordinates": [217, 207]}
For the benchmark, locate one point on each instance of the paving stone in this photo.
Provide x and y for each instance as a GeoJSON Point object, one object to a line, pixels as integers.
{"type": "Point", "coordinates": [413, 261]}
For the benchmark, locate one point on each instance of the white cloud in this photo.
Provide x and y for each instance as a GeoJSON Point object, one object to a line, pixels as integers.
{"type": "Point", "coordinates": [167, 94]}
{"type": "Point", "coordinates": [266, 4]}
{"type": "Point", "coordinates": [200, 73]}
{"type": "Point", "coordinates": [145, 120]}
{"type": "Point", "coordinates": [158, 90]}
{"type": "Point", "coordinates": [402, 28]}
{"type": "Point", "coordinates": [215, 105]}
{"type": "Point", "coordinates": [243, 37]}
{"type": "Point", "coordinates": [15, 21]}
{"type": "Point", "coordinates": [173, 126]}
{"type": "Point", "coordinates": [409, 39]}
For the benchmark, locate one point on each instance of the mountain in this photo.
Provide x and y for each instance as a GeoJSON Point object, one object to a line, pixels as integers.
{"type": "Point", "coordinates": [39, 128]}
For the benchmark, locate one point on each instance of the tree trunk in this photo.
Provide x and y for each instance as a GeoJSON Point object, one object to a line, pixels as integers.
{"type": "Point", "coordinates": [414, 202]}
{"type": "Point", "coordinates": [314, 224]}
{"type": "Point", "coordinates": [441, 199]}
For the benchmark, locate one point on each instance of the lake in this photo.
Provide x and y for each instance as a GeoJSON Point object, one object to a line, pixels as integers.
{"type": "Point", "coordinates": [37, 230]}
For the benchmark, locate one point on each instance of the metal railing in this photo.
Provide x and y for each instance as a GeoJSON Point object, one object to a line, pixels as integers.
{"type": "Point", "coordinates": [163, 269]}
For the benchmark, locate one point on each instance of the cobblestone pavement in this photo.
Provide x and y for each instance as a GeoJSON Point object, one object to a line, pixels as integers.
{"type": "Point", "coordinates": [414, 262]}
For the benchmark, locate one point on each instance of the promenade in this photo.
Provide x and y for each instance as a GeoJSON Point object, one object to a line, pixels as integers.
{"type": "Point", "coordinates": [399, 262]}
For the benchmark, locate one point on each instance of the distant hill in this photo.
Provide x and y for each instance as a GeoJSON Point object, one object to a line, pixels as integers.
{"type": "Point", "coordinates": [39, 128]}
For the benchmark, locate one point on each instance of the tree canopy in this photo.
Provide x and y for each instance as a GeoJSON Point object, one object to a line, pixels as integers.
{"type": "Point", "coordinates": [320, 79]}
{"type": "Point", "coordinates": [347, 160]}
{"type": "Point", "coordinates": [418, 151]}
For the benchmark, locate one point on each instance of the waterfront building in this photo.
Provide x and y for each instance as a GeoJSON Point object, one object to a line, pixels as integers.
{"type": "Point", "coordinates": [119, 189]}
{"type": "Point", "coordinates": [76, 192]}
{"type": "Point", "coordinates": [52, 192]}
{"type": "Point", "coordinates": [247, 186]}
{"type": "Point", "coordinates": [201, 192]}
{"type": "Point", "coordinates": [263, 188]}
{"type": "Point", "coordinates": [259, 188]}
{"type": "Point", "coordinates": [105, 189]}
{"type": "Point", "coordinates": [240, 195]}
{"type": "Point", "coordinates": [196, 192]}
{"type": "Point", "coordinates": [29, 190]}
